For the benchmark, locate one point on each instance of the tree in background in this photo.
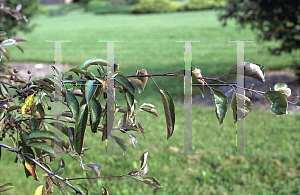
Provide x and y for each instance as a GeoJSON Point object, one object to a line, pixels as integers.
{"type": "Point", "coordinates": [276, 20]}
{"type": "Point", "coordinates": [10, 25]}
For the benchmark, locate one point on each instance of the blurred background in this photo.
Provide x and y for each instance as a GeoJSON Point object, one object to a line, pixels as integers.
{"type": "Point", "coordinates": [149, 30]}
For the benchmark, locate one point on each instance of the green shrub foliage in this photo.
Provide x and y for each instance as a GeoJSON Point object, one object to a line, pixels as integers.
{"type": "Point", "coordinates": [203, 4]}
{"type": "Point", "coordinates": [154, 6]}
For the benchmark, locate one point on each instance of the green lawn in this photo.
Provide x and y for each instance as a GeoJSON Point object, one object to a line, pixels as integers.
{"type": "Point", "coordinates": [149, 42]}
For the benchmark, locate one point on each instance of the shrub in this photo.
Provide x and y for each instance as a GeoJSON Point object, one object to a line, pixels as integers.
{"type": "Point", "coordinates": [154, 6]}
{"type": "Point", "coordinates": [203, 4]}
{"type": "Point", "coordinates": [131, 2]}
{"type": "Point", "coordinates": [95, 5]}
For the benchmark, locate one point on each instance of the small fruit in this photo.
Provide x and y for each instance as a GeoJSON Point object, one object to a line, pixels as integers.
{"type": "Point", "coordinates": [29, 72]}
{"type": "Point", "coordinates": [49, 107]}
{"type": "Point", "coordinates": [12, 77]}
{"type": "Point", "coordinates": [105, 95]}
{"type": "Point", "coordinates": [16, 70]}
{"type": "Point", "coordinates": [27, 127]}
{"type": "Point", "coordinates": [51, 99]}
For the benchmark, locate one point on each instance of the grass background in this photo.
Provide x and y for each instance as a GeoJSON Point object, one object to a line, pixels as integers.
{"type": "Point", "coordinates": [149, 41]}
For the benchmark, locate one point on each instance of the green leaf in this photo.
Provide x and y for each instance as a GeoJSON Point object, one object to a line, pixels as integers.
{"type": "Point", "coordinates": [6, 186]}
{"type": "Point", "coordinates": [149, 108]}
{"type": "Point", "coordinates": [149, 181]}
{"type": "Point", "coordinates": [3, 90]}
{"type": "Point", "coordinates": [220, 101]}
{"type": "Point", "coordinates": [121, 143]}
{"type": "Point", "coordinates": [251, 70]}
{"type": "Point", "coordinates": [43, 135]}
{"type": "Point", "coordinates": [104, 191]}
{"type": "Point", "coordinates": [298, 103]}
{"type": "Point", "coordinates": [56, 72]}
{"type": "Point", "coordinates": [73, 104]}
{"type": "Point", "coordinates": [62, 127]}
{"type": "Point", "coordinates": [243, 109]}
{"type": "Point", "coordinates": [169, 109]}
{"type": "Point", "coordinates": [88, 175]}
{"type": "Point", "coordinates": [95, 114]}
{"type": "Point", "coordinates": [82, 189]}
{"type": "Point", "coordinates": [282, 87]}
{"type": "Point", "coordinates": [199, 88]}
{"type": "Point", "coordinates": [42, 146]}
{"type": "Point", "coordinates": [125, 83]}
{"type": "Point", "coordinates": [95, 61]}
{"type": "Point", "coordinates": [34, 123]}
{"type": "Point", "coordinates": [137, 84]}
{"type": "Point", "coordinates": [279, 85]}
{"type": "Point", "coordinates": [40, 109]}
{"type": "Point", "coordinates": [90, 88]}
{"type": "Point", "coordinates": [278, 102]}
{"type": "Point", "coordinates": [84, 72]}
{"type": "Point", "coordinates": [80, 127]}
{"type": "Point", "coordinates": [129, 98]}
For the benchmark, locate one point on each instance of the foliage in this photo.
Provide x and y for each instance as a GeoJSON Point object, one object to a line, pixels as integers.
{"type": "Point", "coordinates": [29, 8]}
{"type": "Point", "coordinates": [203, 4]}
{"type": "Point", "coordinates": [132, 2]}
{"type": "Point", "coordinates": [103, 7]}
{"type": "Point", "coordinates": [275, 21]}
{"type": "Point", "coordinates": [154, 6]}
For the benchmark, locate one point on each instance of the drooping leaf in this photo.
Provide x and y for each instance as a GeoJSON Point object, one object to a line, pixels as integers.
{"type": "Point", "coordinates": [28, 102]}
{"type": "Point", "coordinates": [80, 127]}
{"type": "Point", "coordinates": [169, 109]}
{"type": "Point", "coordinates": [221, 102]}
{"type": "Point", "coordinates": [251, 70]}
{"type": "Point", "coordinates": [6, 186]}
{"type": "Point", "coordinates": [123, 120]}
{"type": "Point", "coordinates": [149, 181]}
{"type": "Point", "coordinates": [88, 175]}
{"type": "Point", "coordinates": [278, 102]}
{"type": "Point", "coordinates": [34, 123]}
{"type": "Point", "coordinates": [73, 104]}
{"type": "Point", "coordinates": [7, 42]}
{"type": "Point", "coordinates": [94, 167]}
{"type": "Point", "coordinates": [143, 159]}
{"type": "Point", "coordinates": [82, 189]}
{"type": "Point", "coordinates": [40, 109]}
{"type": "Point", "coordinates": [42, 146]}
{"type": "Point", "coordinates": [141, 128]}
{"type": "Point", "coordinates": [56, 72]}
{"type": "Point", "coordinates": [137, 84]}
{"type": "Point", "coordinates": [143, 79]}
{"type": "Point", "coordinates": [104, 191]}
{"type": "Point", "coordinates": [95, 114]}
{"type": "Point", "coordinates": [31, 168]}
{"type": "Point", "coordinates": [43, 135]}
{"type": "Point", "coordinates": [60, 168]}
{"type": "Point", "coordinates": [122, 80]}
{"type": "Point", "coordinates": [149, 108]}
{"type": "Point", "coordinates": [121, 143]}
{"type": "Point", "coordinates": [4, 90]}
{"type": "Point", "coordinates": [199, 88]}
{"type": "Point", "coordinates": [243, 109]}
{"type": "Point", "coordinates": [90, 88]}
{"type": "Point", "coordinates": [129, 98]}
{"type": "Point", "coordinates": [133, 139]}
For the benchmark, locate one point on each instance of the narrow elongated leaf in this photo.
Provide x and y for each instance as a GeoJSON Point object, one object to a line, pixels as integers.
{"type": "Point", "coordinates": [169, 109]}
{"type": "Point", "coordinates": [143, 79]}
{"type": "Point", "coordinates": [7, 42]}
{"type": "Point", "coordinates": [6, 186]}
{"type": "Point", "coordinates": [90, 88]}
{"type": "Point", "coordinates": [278, 102]}
{"type": "Point", "coordinates": [122, 80]}
{"type": "Point", "coordinates": [251, 70]}
{"type": "Point", "coordinates": [43, 135]}
{"type": "Point", "coordinates": [42, 146]}
{"type": "Point", "coordinates": [82, 189]}
{"type": "Point", "coordinates": [143, 159]}
{"type": "Point", "coordinates": [149, 108]}
{"type": "Point", "coordinates": [149, 181]}
{"type": "Point", "coordinates": [40, 109]}
{"type": "Point", "coordinates": [243, 109]}
{"type": "Point", "coordinates": [4, 90]}
{"type": "Point", "coordinates": [221, 102]}
{"type": "Point", "coordinates": [121, 143]}
{"type": "Point", "coordinates": [129, 98]}
{"type": "Point", "coordinates": [94, 167]}
{"type": "Point", "coordinates": [56, 72]}
{"type": "Point", "coordinates": [80, 127]}
{"type": "Point", "coordinates": [28, 102]}
{"type": "Point", "coordinates": [73, 104]}
{"type": "Point", "coordinates": [34, 123]}
{"type": "Point", "coordinates": [95, 114]}
{"type": "Point", "coordinates": [141, 128]}
{"type": "Point", "coordinates": [133, 139]}
{"type": "Point", "coordinates": [31, 168]}
{"type": "Point", "coordinates": [199, 88]}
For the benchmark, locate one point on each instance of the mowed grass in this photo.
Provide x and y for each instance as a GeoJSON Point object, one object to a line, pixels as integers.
{"type": "Point", "coordinates": [149, 42]}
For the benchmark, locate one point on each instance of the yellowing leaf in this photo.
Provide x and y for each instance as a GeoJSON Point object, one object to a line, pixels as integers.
{"type": "Point", "coordinates": [40, 191]}
{"type": "Point", "coordinates": [31, 169]}
{"type": "Point", "coordinates": [28, 102]}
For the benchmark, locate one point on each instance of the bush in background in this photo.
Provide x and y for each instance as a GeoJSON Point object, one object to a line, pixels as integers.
{"type": "Point", "coordinates": [103, 7]}
{"type": "Point", "coordinates": [154, 6]}
{"type": "Point", "coordinates": [203, 4]}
